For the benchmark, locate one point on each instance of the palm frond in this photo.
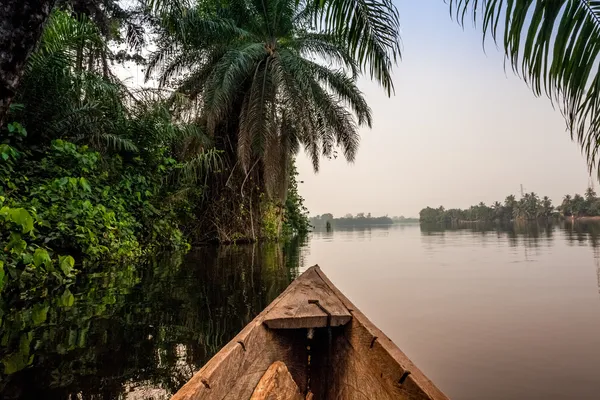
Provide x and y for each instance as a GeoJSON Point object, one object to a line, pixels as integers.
{"type": "Point", "coordinates": [68, 35]}
{"type": "Point", "coordinates": [555, 47]}
{"type": "Point", "coordinates": [329, 48]}
{"type": "Point", "coordinates": [197, 168]}
{"type": "Point", "coordinates": [223, 86]}
{"type": "Point", "coordinates": [371, 28]}
{"type": "Point", "coordinates": [344, 87]}
{"type": "Point", "coordinates": [115, 142]}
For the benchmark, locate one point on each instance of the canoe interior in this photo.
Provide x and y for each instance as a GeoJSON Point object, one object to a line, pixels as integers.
{"type": "Point", "coordinates": [353, 360]}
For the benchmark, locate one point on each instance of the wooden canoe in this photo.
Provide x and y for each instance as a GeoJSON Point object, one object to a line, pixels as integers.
{"type": "Point", "coordinates": [310, 342]}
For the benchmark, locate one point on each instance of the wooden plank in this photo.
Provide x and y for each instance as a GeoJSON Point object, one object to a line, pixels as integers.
{"type": "Point", "coordinates": [277, 384]}
{"type": "Point", "coordinates": [367, 364]}
{"type": "Point", "coordinates": [298, 309]}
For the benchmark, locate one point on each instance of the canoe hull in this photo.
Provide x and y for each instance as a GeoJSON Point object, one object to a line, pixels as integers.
{"type": "Point", "coordinates": [351, 361]}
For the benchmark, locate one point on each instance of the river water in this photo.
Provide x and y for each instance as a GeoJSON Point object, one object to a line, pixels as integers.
{"type": "Point", "coordinates": [485, 312]}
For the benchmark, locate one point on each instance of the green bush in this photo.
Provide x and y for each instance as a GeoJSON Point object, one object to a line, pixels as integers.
{"type": "Point", "coordinates": [91, 212]}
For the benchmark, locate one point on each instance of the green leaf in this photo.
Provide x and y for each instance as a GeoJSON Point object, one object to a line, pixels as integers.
{"type": "Point", "coordinates": [66, 299]}
{"type": "Point", "coordinates": [27, 258]}
{"type": "Point", "coordinates": [21, 216]}
{"type": "Point", "coordinates": [39, 314]}
{"type": "Point", "coordinates": [15, 244]}
{"type": "Point", "coordinates": [66, 264]}
{"type": "Point", "coordinates": [41, 256]}
{"type": "Point", "coordinates": [85, 185]}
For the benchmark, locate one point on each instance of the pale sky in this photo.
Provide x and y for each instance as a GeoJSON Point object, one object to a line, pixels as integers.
{"type": "Point", "coordinates": [459, 130]}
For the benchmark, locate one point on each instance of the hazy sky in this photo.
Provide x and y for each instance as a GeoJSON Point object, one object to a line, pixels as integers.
{"type": "Point", "coordinates": [459, 130]}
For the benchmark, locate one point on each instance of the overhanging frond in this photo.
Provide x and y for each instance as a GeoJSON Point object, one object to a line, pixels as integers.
{"type": "Point", "coordinates": [555, 46]}
{"type": "Point", "coordinates": [371, 28]}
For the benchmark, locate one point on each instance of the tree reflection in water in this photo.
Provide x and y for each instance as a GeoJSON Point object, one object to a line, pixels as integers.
{"type": "Point", "coordinates": [140, 332]}
{"type": "Point", "coordinates": [528, 234]}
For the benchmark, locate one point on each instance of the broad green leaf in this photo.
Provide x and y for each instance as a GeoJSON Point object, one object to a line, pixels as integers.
{"type": "Point", "coordinates": [22, 217]}
{"type": "Point", "coordinates": [27, 258]}
{"type": "Point", "coordinates": [66, 264]}
{"type": "Point", "coordinates": [39, 314]}
{"type": "Point", "coordinates": [66, 299]}
{"type": "Point", "coordinates": [85, 185]}
{"type": "Point", "coordinates": [41, 256]}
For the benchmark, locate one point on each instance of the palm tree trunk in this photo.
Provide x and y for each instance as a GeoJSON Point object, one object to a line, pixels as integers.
{"type": "Point", "coordinates": [21, 25]}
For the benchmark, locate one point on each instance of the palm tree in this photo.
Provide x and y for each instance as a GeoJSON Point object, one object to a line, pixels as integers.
{"type": "Point", "coordinates": [60, 100]}
{"type": "Point", "coordinates": [578, 205]}
{"type": "Point", "coordinates": [555, 46]}
{"type": "Point", "coordinates": [264, 78]}
{"type": "Point", "coordinates": [258, 87]}
{"type": "Point", "coordinates": [370, 29]}
{"type": "Point", "coordinates": [498, 211]}
{"type": "Point", "coordinates": [509, 205]}
{"type": "Point", "coordinates": [519, 210]}
{"type": "Point", "coordinates": [547, 207]}
{"type": "Point", "coordinates": [590, 194]}
{"type": "Point", "coordinates": [566, 206]}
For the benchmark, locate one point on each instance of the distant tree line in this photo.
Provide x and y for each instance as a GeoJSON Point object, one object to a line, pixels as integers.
{"type": "Point", "coordinates": [349, 220]}
{"type": "Point", "coordinates": [529, 207]}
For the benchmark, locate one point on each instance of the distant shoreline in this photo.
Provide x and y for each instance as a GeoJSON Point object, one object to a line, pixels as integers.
{"type": "Point", "coordinates": [571, 218]}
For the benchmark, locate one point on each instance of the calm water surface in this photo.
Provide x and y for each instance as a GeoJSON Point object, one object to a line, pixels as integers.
{"type": "Point", "coordinates": [486, 313]}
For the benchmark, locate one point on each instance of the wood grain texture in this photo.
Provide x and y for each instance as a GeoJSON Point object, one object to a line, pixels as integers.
{"type": "Point", "coordinates": [235, 370]}
{"type": "Point", "coordinates": [296, 311]}
{"type": "Point", "coordinates": [277, 384]}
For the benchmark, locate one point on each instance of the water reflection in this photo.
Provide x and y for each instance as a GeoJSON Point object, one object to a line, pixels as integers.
{"type": "Point", "coordinates": [354, 233]}
{"type": "Point", "coordinates": [472, 303]}
{"type": "Point", "coordinates": [142, 333]}
{"type": "Point", "coordinates": [530, 233]}
{"type": "Point", "coordinates": [526, 234]}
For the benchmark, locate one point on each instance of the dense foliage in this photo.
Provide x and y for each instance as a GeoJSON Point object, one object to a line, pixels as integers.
{"type": "Point", "coordinates": [529, 207]}
{"type": "Point", "coordinates": [95, 174]}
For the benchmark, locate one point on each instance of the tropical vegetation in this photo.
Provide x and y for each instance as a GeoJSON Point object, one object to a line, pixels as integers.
{"type": "Point", "coordinates": [529, 207]}
{"type": "Point", "coordinates": [96, 174]}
